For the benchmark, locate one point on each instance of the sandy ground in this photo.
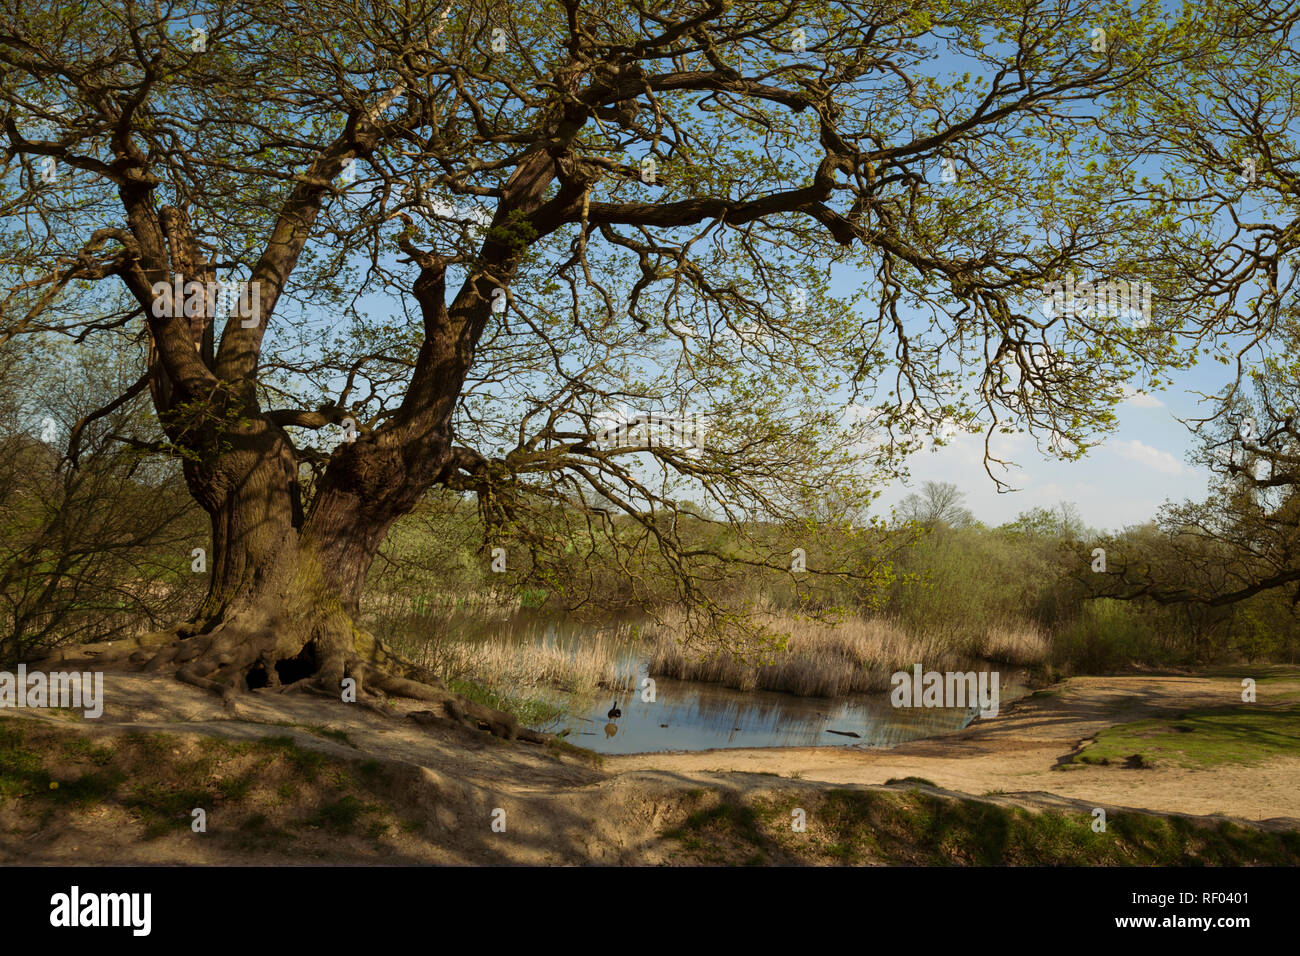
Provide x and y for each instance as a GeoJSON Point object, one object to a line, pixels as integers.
{"type": "Point", "coordinates": [562, 809]}
{"type": "Point", "coordinates": [1021, 750]}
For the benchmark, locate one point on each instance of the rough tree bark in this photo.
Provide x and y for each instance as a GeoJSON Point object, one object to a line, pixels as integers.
{"type": "Point", "coordinates": [286, 580]}
{"type": "Point", "coordinates": [285, 586]}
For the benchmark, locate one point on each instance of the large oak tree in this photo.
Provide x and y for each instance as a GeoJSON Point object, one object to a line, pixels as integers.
{"type": "Point", "coordinates": [475, 228]}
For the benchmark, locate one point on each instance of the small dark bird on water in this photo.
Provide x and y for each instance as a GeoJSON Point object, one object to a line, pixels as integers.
{"type": "Point", "coordinates": [614, 711]}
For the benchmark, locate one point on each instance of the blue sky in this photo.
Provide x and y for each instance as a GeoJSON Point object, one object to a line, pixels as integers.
{"type": "Point", "coordinates": [1123, 482]}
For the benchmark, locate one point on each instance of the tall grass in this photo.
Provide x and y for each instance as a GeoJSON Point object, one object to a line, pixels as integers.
{"type": "Point", "coordinates": [518, 657]}
{"type": "Point", "coordinates": [1020, 643]}
{"type": "Point", "coordinates": [857, 655]}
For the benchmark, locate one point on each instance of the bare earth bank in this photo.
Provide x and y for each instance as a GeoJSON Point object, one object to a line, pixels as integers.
{"type": "Point", "coordinates": [273, 779]}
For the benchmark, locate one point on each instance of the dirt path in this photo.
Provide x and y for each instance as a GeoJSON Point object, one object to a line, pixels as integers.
{"type": "Point", "coordinates": [1020, 750]}
{"type": "Point", "coordinates": [562, 809]}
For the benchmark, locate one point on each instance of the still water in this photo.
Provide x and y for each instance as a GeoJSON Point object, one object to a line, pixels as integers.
{"type": "Point", "coordinates": [692, 715]}
{"type": "Point", "coordinates": [688, 715]}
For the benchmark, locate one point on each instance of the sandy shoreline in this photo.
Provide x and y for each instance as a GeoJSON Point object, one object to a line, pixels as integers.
{"type": "Point", "coordinates": [1021, 749]}
{"type": "Point", "coordinates": [564, 809]}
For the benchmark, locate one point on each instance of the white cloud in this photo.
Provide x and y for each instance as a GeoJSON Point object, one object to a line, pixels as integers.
{"type": "Point", "coordinates": [1136, 399]}
{"type": "Point", "coordinates": [1149, 457]}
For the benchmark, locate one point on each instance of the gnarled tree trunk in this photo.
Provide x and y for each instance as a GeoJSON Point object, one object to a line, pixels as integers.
{"type": "Point", "coordinates": [282, 597]}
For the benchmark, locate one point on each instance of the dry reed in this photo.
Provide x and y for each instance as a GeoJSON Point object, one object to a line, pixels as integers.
{"type": "Point", "coordinates": [509, 657]}
{"type": "Point", "coordinates": [857, 655]}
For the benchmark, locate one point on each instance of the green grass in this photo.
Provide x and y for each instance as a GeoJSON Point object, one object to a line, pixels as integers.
{"type": "Point", "coordinates": [743, 822]}
{"type": "Point", "coordinates": [159, 779]}
{"type": "Point", "coordinates": [18, 765]}
{"type": "Point", "coordinates": [529, 711]}
{"type": "Point", "coordinates": [1246, 734]}
{"type": "Point", "coordinates": [308, 763]}
{"type": "Point", "coordinates": [914, 828]}
{"type": "Point", "coordinates": [316, 729]}
{"type": "Point", "coordinates": [1259, 673]}
{"type": "Point", "coordinates": [340, 816]}
{"type": "Point", "coordinates": [86, 748]}
{"type": "Point", "coordinates": [558, 746]}
{"type": "Point", "coordinates": [163, 807]}
{"type": "Point", "coordinates": [332, 734]}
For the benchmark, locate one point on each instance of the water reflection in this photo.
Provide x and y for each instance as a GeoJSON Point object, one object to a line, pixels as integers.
{"type": "Point", "coordinates": [686, 715]}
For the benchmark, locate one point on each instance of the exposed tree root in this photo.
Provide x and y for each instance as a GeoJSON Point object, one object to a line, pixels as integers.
{"type": "Point", "coordinates": [251, 651]}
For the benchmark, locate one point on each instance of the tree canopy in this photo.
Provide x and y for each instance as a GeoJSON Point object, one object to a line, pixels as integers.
{"type": "Point", "coordinates": [533, 253]}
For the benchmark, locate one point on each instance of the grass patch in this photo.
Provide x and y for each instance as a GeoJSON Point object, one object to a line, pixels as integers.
{"type": "Point", "coordinates": [307, 763]}
{"type": "Point", "coordinates": [255, 793]}
{"type": "Point", "coordinates": [529, 711]}
{"type": "Point", "coordinates": [1247, 734]}
{"type": "Point", "coordinates": [1259, 673]}
{"type": "Point", "coordinates": [710, 833]}
{"type": "Point", "coordinates": [915, 828]}
{"type": "Point", "coordinates": [339, 816]}
{"type": "Point", "coordinates": [559, 746]}
{"type": "Point", "coordinates": [86, 748]}
{"type": "Point", "coordinates": [332, 734]}
{"type": "Point", "coordinates": [318, 730]}
{"type": "Point", "coordinates": [20, 767]}
{"type": "Point", "coordinates": [164, 807]}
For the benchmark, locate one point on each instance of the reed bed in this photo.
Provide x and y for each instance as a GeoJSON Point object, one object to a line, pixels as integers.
{"type": "Point", "coordinates": [1020, 643]}
{"type": "Point", "coordinates": [517, 658]}
{"type": "Point", "coordinates": [857, 655]}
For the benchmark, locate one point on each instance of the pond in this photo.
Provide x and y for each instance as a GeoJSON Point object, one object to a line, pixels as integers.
{"type": "Point", "coordinates": [688, 715]}
{"type": "Point", "coordinates": [692, 715]}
